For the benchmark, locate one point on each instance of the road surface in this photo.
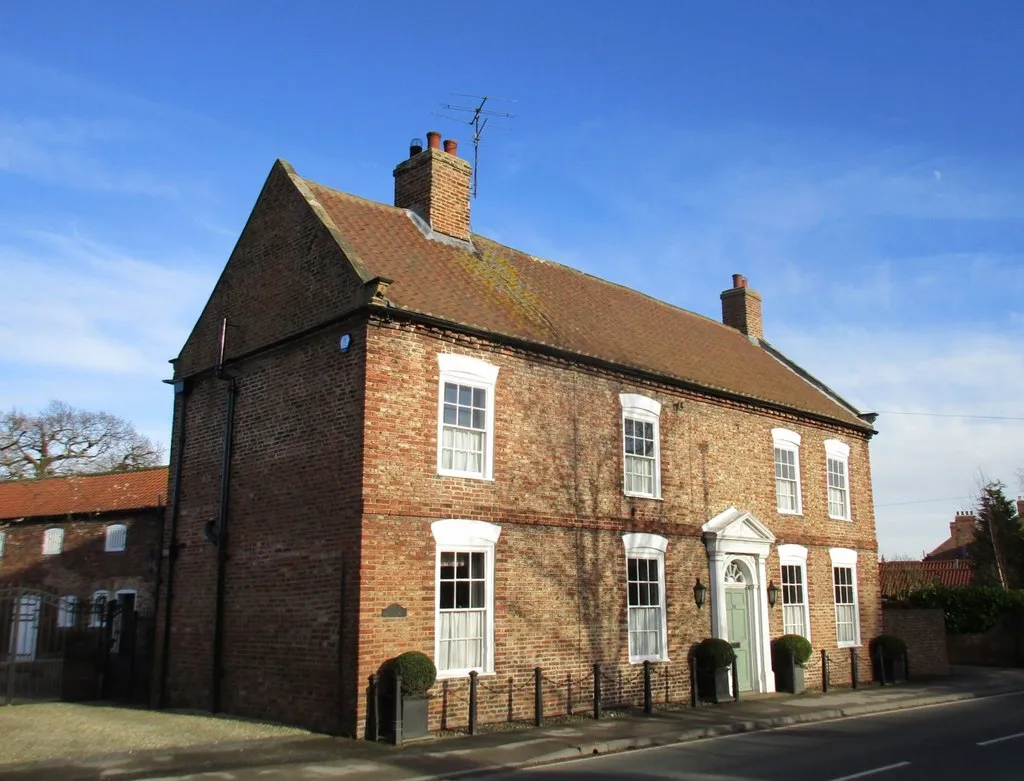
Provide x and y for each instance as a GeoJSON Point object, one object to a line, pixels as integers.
{"type": "Point", "coordinates": [967, 741]}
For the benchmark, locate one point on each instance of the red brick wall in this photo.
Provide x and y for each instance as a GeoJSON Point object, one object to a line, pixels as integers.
{"type": "Point", "coordinates": [924, 631]}
{"type": "Point", "coordinates": [295, 476]}
{"type": "Point", "coordinates": [292, 528]}
{"type": "Point", "coordinates": [84, 566]}
{"type": "Point", "coordinates": [557, 495]}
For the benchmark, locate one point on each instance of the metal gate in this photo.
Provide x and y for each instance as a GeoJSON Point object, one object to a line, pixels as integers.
{"type": "Point", "coordinates": [33, 626]}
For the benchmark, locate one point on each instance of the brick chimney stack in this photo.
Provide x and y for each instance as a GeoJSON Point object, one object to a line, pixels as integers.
{"type": "Point", "coordinates": [962, 528]}
{"type": "Point", "coordinates": [435, 183]}
{"type": "Point", "coordinates": [741, 308]}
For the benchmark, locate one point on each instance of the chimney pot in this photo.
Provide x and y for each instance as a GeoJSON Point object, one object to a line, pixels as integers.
{"type": "Point", "coordinates": [434, 139]}
{"type": "Point", "coordinates": [451, 146]}
{"type": "Point", "coordinates": [415, 147]}
{"type": "Point", "coordinates": [738, 281]}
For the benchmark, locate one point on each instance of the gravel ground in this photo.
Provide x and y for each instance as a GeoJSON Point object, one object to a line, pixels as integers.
{"type": "Point", "coordinates": [64, 730]}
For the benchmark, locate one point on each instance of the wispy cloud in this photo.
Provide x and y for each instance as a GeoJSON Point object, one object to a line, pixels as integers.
{"type": "Point", "coordinates": [73, 152]}
{"type": "Point", "coordinates": [83, 306]}
{"type": "Point", "coordinates": [917, 459]}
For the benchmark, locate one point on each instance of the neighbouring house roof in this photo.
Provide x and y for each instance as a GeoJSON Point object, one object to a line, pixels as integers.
{"type": "Point", "coordinates": [962, 530]}
{"type": "Point", "coordinates": [51, 496]}
{"type": "Point", "coordinates": [897, 578]}
{"type": "Point", "coordinates": [506, 292]}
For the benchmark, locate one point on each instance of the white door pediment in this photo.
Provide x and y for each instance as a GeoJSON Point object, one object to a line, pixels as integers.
{"type": "Point", "coordinates": [738, 531]}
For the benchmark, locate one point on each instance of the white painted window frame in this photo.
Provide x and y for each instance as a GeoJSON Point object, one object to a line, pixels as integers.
{"type": "Point", "coordinates": [464, 370]}
{"type": "Point", "coordinates": [67, 611]}
{"type": "Point", "coordinates": [838, 451]}
{"type": "Point", "coordinates": [53, 541]}
{"type": "Point", "coordinates": [95, 617]}
{"type": "Point", "coordinates": [464, 535]}
{"type": "Point", "coordinates": [647, 410]}
{"type": "Point", "coordinates": [796, 556]}
{"type": "Point", "coordinates": [115, 630]}
{"type": "Point", "coordinates": [112, 532]}
{"type": "Point", "coordinates": [28, 610]}
{"type": "Point", "coordinates": [846, 558]}
{"type": "Point", "coordinates": [784, 439]}
{"type": "Point", "coordinates": [647, 546]}
{"type": "Point", "coordinates": [3, 542]}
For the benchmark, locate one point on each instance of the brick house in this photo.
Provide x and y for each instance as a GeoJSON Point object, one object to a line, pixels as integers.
{"type": "Point", "coordinates": [391, 433]}
{"type": "Point", "coordinates": [84, 537]}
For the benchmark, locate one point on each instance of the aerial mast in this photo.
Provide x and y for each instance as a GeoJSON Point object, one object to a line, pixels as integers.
{"type": "Point", "coordinates": [479, 117]}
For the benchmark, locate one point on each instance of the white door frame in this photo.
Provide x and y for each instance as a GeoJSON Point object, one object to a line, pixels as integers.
{"type": "Point", "coordinates": [735, 534]}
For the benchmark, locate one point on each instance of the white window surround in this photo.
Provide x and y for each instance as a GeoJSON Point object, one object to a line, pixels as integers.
{"type": "Point", "coordinates": [3, 542]}
{"type": "Point", "coordinates": [97, 615]}
{"type": "Point", "coordinates": [467, 371]}
{"type": "Point", "coordinates": [115, 630]}
{"type": "Point", "coordinates": [789, 441]}
{"type": "Point", "coordinates": [463, 535]}
{"type": "Point", "coordinates": [648, 546]}
{"type": "Point", "coordinates": [646, 410]}
{"type": "Point", "coordinates": [838, 451]}
{"type": "Point", "coordinates": [53, 541]}
{"type": "Point", "coordinates": [796, 556]}
{"type": "Point", "coordinates": [117, 538]}
{"type": "Point", "coordinates": [847, 558]}
{"type": "Point", "coordinates": [67, 610]}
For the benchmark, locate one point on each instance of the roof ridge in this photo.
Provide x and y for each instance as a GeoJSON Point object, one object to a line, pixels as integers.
{"type": "Point", "coordinates": [108, 473]}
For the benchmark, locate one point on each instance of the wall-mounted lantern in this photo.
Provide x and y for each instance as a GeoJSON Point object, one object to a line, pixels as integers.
{"type": "Point", "coordinates": [700, 592]}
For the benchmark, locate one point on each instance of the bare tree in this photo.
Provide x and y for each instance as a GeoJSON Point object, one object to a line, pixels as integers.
{"type": "Point", "coordinates": [62, 440]}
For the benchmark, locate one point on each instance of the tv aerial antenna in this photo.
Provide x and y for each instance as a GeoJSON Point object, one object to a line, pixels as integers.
{"type": "Point", "coordinates": [478, 120]}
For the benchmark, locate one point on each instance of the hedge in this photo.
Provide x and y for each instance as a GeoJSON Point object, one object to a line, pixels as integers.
{"type": "Point", "coordinates": [969, 610]}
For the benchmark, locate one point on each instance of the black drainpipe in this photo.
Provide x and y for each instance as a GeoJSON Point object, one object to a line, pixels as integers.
{"type": "Point", "coordinates": [172, 543]}
{"type": "Point", "coordinates": [219, 536]}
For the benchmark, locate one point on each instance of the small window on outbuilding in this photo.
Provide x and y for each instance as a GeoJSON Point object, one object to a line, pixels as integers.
{"type": "Point", "coordinates": [53, 542]}
{"type": "Point", "coordinates": [117, 537]}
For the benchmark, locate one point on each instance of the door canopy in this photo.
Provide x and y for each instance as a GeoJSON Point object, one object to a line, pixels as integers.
{"type": "Point", "coordinates": [737, 531]}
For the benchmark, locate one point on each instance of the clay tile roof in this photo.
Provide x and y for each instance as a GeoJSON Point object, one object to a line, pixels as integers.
{"type": "Point", "coordinates": [83, 494]}
{"type": "Point", "coordinates": [896, 578]}
{"type": "Point", "coordinates": [509, 293]}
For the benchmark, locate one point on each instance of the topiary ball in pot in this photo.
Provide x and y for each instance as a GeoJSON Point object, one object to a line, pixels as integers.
{"type": "Point", "coordinates": [796, 645]}
{"type": "Point", "coordinates": [891, 646]}
{"type": "Point", "coordinates": [417, 671]}
{"type": "Point", "coordinates": [715, 653]}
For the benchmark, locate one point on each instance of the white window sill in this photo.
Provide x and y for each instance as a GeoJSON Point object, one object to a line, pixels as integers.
{"type": "Point", "coordinates": [849, 645]}
{"type": "Point", "coordinates": [792, 513]}
{"type": "Point", "coordinates": [450, 675]}
{"type": "Point", "coordinates": [631, 495]}
{"type": "Point", "coordinates": [840, 518]}
{"type": "Point", "coordinates": [466, 475]}
{"type": "Point", "coordinates": [651, 659]}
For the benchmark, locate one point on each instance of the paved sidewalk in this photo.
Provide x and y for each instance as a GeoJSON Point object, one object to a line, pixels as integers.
{"type": "Point", "coordinates": [319, 757]}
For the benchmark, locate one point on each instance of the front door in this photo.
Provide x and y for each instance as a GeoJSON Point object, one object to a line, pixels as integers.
{"type": "Point", "coordinates": [737, 611]}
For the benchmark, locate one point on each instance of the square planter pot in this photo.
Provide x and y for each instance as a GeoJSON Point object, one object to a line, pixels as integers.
{"type": "Point", "coordinates": [789, 678]}
{"type": "Point", "coordinates": [411, 714]}
{"type": "Point", "coordinates": [895, 669]}
{"type": "Point", "coordinates": [414, 717]}
{"type": "Point", "coordinates": [714, 685]}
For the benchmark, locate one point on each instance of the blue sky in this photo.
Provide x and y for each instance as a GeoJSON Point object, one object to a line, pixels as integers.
{"type": "Point", "coordinates": [861, 163]}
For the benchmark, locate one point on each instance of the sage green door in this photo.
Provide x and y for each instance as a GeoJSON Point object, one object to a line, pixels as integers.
{"type": "Point", "coordinates": [737, 612]}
